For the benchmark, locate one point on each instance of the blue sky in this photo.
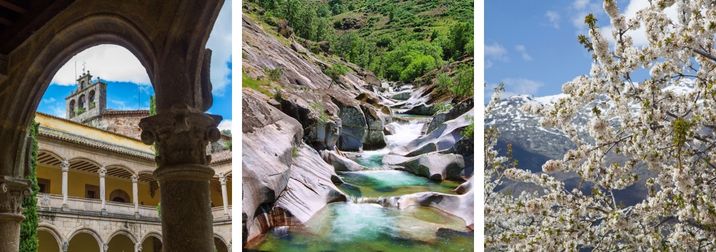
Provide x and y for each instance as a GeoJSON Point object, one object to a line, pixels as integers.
{"type": "Point", "coordinates": [128, 85]}
{"type": "Point", "coordinates": [532, 47]}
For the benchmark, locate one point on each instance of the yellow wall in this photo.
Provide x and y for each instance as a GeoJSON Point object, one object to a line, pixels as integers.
{"type": "Point", "coordinates": [83, 242]}
{"type": "Point", "coordinates": [47, 242]}
{"type": "Point", "coordinates": [145, 196]}
{"type": "Point", "coordinates": [215, 190]}
{"type": "Point", "coordinates": [52, 174]}
{"type": "Point", "coordinates": [77, 180]}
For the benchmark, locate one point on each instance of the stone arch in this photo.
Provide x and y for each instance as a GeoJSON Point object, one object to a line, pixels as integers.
{"type": "Point", "coordinates": [72, 108]}
{"type": "Point", "coordinates": [49, 157]}
{"type": "Point", "coordinates": [84, 164]}
{"type": "Point", "coordinates": [81, 102]}
{"type": "Point", "coordinates": [121, 171]}
{"type": "Point", "coordinates": [77, 35]}
{"type": "Point", "coordinates": [220, 244]}
{"type": "Point", "coordinates": [91, 100]}
{"type": "Point", "coordinates": [111, 242]}
{"type": "Point", "coordinates": [45, 227]}
{"type": "Point", "coordinates": [119, 195]}
{"type": "Point", "coordinates": [152, 234]}
{"type": "Point", "coordinates": [84, 230]}
{"type": "Point", "coordinates": [149, 242]}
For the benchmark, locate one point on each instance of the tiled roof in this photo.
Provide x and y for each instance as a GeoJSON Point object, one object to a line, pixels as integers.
{"type": "Point", "coordinates": [217, 157]}
{"type": "Point", "coordinates": [69, 137]}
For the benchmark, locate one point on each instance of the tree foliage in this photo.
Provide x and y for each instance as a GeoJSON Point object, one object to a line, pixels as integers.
{"type": "Point", "coordinates": [660, 128]}
{"type": "Point", "coordinates": [28, 227]}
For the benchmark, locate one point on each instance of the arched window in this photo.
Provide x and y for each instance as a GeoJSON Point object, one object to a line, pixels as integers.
{"type": "Point", "coordinates": [119, 196]}
{"type": "Point", "coordinates": [81, 104]}
{"type": "Point", "coordinates": [72, 108]}
{"type": "Point", "coordinates": [91, 100]}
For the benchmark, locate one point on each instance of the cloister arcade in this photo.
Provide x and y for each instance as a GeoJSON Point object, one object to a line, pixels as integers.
{"type": "Point", "coordinates": [169, 39]}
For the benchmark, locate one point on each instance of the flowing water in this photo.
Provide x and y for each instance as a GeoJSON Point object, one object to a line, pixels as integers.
{"type": "Point", "coordinates": [349, 226]}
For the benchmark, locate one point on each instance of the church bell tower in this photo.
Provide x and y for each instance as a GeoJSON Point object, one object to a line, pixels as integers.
{"type": "Point", "coordinates": [88, 101]}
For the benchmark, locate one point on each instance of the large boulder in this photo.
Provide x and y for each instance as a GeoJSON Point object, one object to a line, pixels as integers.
{"type": "Point", "coordinates": [442, 138]}
{"type": "Point", "coordinates": [459, 109]}
{"type": "Point", "coordinates": [276, 166]}
{"type": "Point", "coordinates": [310, 186]}
{"type": "Point", "coordinates": [339, 162]}
{"type": "Point", "coordinates": [353, 128]}
{"type": "Point", "coordinates": [435, 166]}
{"type": "Point", "coordinates": [374, 138]}
{"type": "Point", "coordinates": [459, 205]}
{"type": "Point", "coordinates": [318, 117]}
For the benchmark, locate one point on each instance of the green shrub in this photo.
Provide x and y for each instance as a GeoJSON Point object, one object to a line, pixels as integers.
{"type": "Point", "coordinates": [469, 131]}
{"type": "Point", "coordinates": [442, 107]}
{"type": "Point", "coordinates": [28, 227]}
{"type": "Point", "coordinates": [410, 60]}
{"type": "Point", "coordinates": [336, 71]}
{"type": "Point", "coordinates": [273, 74]}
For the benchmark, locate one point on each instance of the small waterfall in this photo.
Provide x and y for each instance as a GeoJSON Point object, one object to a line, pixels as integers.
{"type": "Point", "coordinates": [382, 201]}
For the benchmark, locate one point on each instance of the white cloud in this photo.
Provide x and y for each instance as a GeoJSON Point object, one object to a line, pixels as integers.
{"type": "Point", "coordinates": [58, 111]}
{"type": "Point", "coordinates": [116, 63]}
{"type": "Point", "coordinates": [225, 124]}
{"type": "Point", "coordinates": [520, 86]}
{"type": "Point", "coordinates": [121, 105]}
{"type": "Point", "coordinates": [109, 62]}
{"type": "Point", "coordinates": [580, 9]}
{"type": "Point", "coordinates": [553, 18]}
{"type": "Point", "coordinates": [580, 4]}
{"type": "Point", "coordinates": [494, 52]}
{"type": "Point", "coordinates": [522, 50]}
{"type": "Point", "coordinates": [220, 45]}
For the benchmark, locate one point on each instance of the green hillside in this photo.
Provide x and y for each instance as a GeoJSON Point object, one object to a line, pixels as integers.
{"type": "Point", "coordinates": [397, 40]}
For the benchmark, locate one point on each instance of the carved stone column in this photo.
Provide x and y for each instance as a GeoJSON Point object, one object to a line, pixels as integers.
{"type": "Point", "coordinates": [12, 192]}
{"type": "Point", "coordinates": [65, 166]}
{"type": "Point", "coordinates": [180, 136]}
{"type": "Point", "coordinates": [135, 192]}
{"type": "Point", "coordinates": [102, 173]}
{"type": "Point", "coordinates": [224, 197]}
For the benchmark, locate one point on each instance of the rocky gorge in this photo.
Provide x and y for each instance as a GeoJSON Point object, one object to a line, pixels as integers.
{"type": "Point", "coordinates": [351, 161]}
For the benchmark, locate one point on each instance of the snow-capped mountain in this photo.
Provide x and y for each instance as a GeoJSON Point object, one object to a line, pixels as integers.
{"type": "Point", "coordinates": [533, 145]}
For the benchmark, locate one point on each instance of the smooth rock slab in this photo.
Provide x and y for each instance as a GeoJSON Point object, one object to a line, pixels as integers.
{"type": "Point", "coordinates": [435, 166]}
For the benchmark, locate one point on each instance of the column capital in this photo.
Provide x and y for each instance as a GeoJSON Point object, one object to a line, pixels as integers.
{"type": "Point", "coordinates": [135, 178]}
{"type": "Point", "coordinates": [102, 171]}
{"type": "Point", "coordinates": [65, 165]}
{"type": "Point", "coordinates": [12, 192]}
{"type": "Point", "coordinates": [222, 179]}
{"type": "Point", "coordinates": [181, 135]}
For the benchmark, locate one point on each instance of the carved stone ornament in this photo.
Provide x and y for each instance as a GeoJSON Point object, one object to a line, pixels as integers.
{"type": "Point", "coordinates": [102, 171]}
{"type": "Point", "coordinates": [222, 179]}
{"type": "Point", "coordinates": [135, 178]}
{"type": "Point", "coordinates": [65, 165]}
{"type": "Point", "coordinates": [181, 135]}
{"type": "Point", "coordinates": [12, 193]}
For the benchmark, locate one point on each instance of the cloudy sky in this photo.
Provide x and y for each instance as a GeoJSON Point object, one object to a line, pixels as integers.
{"type": "Point", "coordinates": [531, 46]}
{"type": "Point", "coordinates": [128, 84]}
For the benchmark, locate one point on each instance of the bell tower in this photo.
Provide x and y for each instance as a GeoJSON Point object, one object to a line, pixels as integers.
{"type": "Point", "coordinates": [88, 101]}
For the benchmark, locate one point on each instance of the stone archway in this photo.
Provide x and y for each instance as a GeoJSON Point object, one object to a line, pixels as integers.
{"type": "Point", "coordinates": [152, 243]}
{"type": "Point", "coordinates": [121, 241]}
{"type": "Point", "coordinates": [49, 240]}
{"type": "Point", "coordinates": [84, 240]}
{"type": "Point", "coordinates": [220, 245]}
{"type": "Point", "coordinates": [171, 47]}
